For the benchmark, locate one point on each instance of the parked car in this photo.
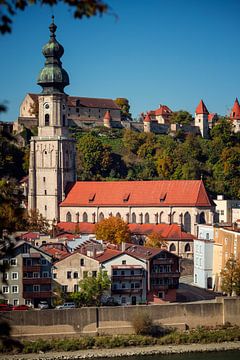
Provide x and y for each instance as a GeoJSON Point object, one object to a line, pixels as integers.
{"type": "Point", "coordinates": [6, 307]}
{"type": "Point", "coordinates": [20, 307]}
{"type": "Point", "coordinates": [67, 305]}
{"type": "Point", "coordinates": [43, 305]}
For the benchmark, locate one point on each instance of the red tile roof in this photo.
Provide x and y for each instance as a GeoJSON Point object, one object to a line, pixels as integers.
{"type": "Point", "coordinates": [141, 193]}
{"type": "Point", "coordinates": [92, 102]}
{"type": "Point", "coordinates": [107, 115]}
{"type": "Point", "coordinates": [30, 236]}
{"type": "Point", "coordinates": [167, 231]}
{"type": "Point", "coordinates": [84, 227]}
{"type": "Point", "coordinates": [56, 253]}
{"type": "Point", "coordinates": [142, 252]}
{"type": "Point", "coordinates": [235, 113]}
{"type": "Point", "coordinates": [147, 118]}
{"type": "Point", "coordinates": [211, 116]}
{"type": "Point", "coordinates": [107, 255]}
{"type": "Point", "coordinates": [163, 110]}
{"type": "Point", "coordinates": [201, 108]}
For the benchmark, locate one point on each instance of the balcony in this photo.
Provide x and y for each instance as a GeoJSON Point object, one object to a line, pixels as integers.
{"type": "Point", "coordinates": [126, 291]}
{"type": "Point", "coordinates": [165, 275]}
{"type": "Point", "coordinates": [37, 281]}
{"type": "Point", "coordinates": [127, 277]}
{"type": "Point", "coordinates": [32, 268]}
{"type": "Point", "coordinates": [37, 294]}
{"type": "Point", "coordinates": [163, 261]}
{"type": "Point", "coordinates": [164, 287]}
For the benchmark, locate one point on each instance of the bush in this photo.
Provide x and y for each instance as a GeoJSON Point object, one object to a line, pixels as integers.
{"type": "Point", "coordinates": [142, 323]}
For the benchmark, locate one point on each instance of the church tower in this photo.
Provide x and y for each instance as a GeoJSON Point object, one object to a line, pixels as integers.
{"type": "Point", "coordinates": [201, 119]}
{"type": "Point", "coordinates": [52, 152]}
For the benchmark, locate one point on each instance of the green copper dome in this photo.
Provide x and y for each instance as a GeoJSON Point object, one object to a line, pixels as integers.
{"type": "Point", "coordinates": [53, 78]}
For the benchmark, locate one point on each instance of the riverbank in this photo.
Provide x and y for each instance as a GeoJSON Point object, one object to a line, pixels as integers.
{"type": "Point", "coordinates": [124, 352]}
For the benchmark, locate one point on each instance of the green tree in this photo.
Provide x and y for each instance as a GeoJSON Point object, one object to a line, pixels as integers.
{"type": "Point", "coordinates": [82, 8]}
{"type": "Point", "coordinates": [230, 277]}
{"type": "Point", "coordinates": [113, 230]}
{"type": "Point", "coordinates": [92, 290]}
{"type": "Point", "coordinates": [181, 117]}
{"type": "Point", "coordinates": [36, 222]}
{"type": "Point", "coordinates": [125, 107]}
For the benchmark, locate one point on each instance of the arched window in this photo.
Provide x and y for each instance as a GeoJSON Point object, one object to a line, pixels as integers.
{"type": "Point", "coordinates": [93, 218]}
{"type": "Point", "coordinates": [101, 216]}
{"type": "Point", "coordinates": [47, 119]}
{"type": "Point", "coordinates": [68, 217]}
{"type": "Point", "coordinates": [172, 247]}
{"type": "Point", "coordinates": [161, 217]}
{"type": "Point", "coordinates": [140, 218]}
{"type": "Point", "coordinates": [85, 217]}
{"type": "Point", "coordinates": [187, 222]}
{"type": "Point", "coordinates": [146, 218]}
{"type": "Point", "coordinates": [77, 217]}
{"type": "Point", "coordinates": [134, 218]}
{"type": "Point", "coordinates": [173, 217]}
{"type": "Point", "coordinates": [127, 218]}
{"type": "Point", "coordinates": [201, 219]}
{"type": "Point", "coordinates": [118, 215]}
{"type": "Point", "coordinates": [187, 247]}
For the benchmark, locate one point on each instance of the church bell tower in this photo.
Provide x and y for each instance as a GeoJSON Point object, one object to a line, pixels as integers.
{"type": "Point", "coordinates": [52, 152]}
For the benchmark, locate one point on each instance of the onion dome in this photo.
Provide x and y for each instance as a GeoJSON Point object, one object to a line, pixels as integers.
{"type": "Point", "coordinates": [53, 78]}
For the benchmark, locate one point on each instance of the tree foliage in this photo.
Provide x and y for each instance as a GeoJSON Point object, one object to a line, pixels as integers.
{"type": "Point", "coordinates": [230, 277]}
{"type": "Point", "coordinates": [125, 107]}
{"type": "Point", "coordinates": [155, 240]}
{"type": "Point", "coordinates": [181, 117]}
{"type": "Point", "coordinates": [81, 9]}
{"type": "Point", "coordinates": [92, 290]}
{"type": "Point", "coordinates": [36, 222]}
{"type": "Point", "coordinates": [113, 230]}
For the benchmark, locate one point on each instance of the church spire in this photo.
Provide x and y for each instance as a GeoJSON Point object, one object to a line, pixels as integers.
{"type": "Point", "coordinates": [53, 78]}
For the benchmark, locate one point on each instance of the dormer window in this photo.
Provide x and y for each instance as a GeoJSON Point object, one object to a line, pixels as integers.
{"type": "Point", "coordinates": [126, 197]}
{"type": "Point", "coordinates": [163, 196]}
{"type": "Point", "coordinates": [91, 197]}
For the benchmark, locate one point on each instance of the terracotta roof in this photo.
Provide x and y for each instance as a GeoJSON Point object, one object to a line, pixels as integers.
{"type": "Point", "coordinates": [56, 253]}
{"type": "Point", "coordinates": [147, 118]}
{"type": "Point", "coordinates": [211, 116]}
{"type": "Point", "coordinates": [66, 236]}
{"type": "Point", "coordinates": [107, 116]}
{"type": "Point", "coordinates": [201, 108]}
{"type": "Point", "coordinates": [107, 255]}
{"type": "Point", "coordinates": [92, 102]}
{"type": "Point", "coordinates": [141, 193]}
{"type": "Point", "coordinates": [163, 110]}
{"type": "Point", "coordinates": [167, 231]}
{"type": "Point", "coordinates": [142, 252]}
{"type": "Point", "coordinates": [84, 227]}
{"type": "Point", "coordinates": [30, 236]}
{"type": "Point", "coordinates": [235, 113]}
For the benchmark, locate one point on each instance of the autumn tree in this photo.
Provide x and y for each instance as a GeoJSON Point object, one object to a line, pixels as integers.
{"type": "Point", "coordinates": [34, 221]}
{"type": "Point", "coordinates": [155, 240]}
{"type": "Point", "coordinates": [125, 107]}
{"type": "Point", "coordinates": [230, 277]}
{"type": "Point", "coordinates": [113, 230]}
{"type": "Point", "coordinates": [92, 290]}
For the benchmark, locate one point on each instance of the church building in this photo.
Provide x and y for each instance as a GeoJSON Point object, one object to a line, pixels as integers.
{"type": "Point", "coordinates": [54, 191]}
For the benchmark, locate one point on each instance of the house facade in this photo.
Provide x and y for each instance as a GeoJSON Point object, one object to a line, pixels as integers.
{"type": "Point", "coordinates": [29, 277]}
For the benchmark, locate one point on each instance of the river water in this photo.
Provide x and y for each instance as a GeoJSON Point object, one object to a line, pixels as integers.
{"type": "Point", "coordinates": [221, 355]}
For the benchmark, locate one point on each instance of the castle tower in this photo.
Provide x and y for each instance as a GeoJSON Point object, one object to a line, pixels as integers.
{"type": "Point", "coordinates": [52, 153]}
{"type": "Point", "coordinates": [107, 120]}
{"type": "Point", "coordinates": [201, 119]}
{"type": "Point", "coordinates": [235, 116]}
{"type": "Point", "coordinates": [147, 123]}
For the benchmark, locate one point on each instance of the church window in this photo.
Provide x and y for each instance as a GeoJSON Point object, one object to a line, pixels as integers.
{"type": "Point", "coordinates": [118, 215]}
{"type": "Point", "coordinates": [101, 216]}
{"type": "Point", "coordinates": [172, 247]}
{"type": "Point", "coordinates": [45, 192]}
{"type": "Point", "coordinates": [44, 179]}
{"type": "Point", "coordinates": [147, 218]}
{"type": "Point", "coordinates": [45, 207]}
{"type": "Point", "coordinates": [187, 247]}
{"type": "Point", "coordinates": [47, 119]}
{"type": "Point", "coordinates": [85, 217]}
{"type": "Point", "coordinates": [68, 217]}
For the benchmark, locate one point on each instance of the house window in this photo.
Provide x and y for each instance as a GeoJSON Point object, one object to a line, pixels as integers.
{"type": "Point", "coordinates": [36, 275]}
{"type": "Point", "coordinates": [54, 275]}
{"type": "Point", "coordinates": [76, 288]}
{"type": "Point", "coordinates": [28, 302]}
{"type": "Point", "coordinates": [14, 276]}
{"type": "Point", "coordinates": [14, 289]}
{"type": "Point", "coordinates": [123, 262]}
{"type": "Point", "coordinates": [132, 285]}
{"type": "Point", "coordinates": [123, 300]}
{"type": "Point", "coordinates": [75, 275]}
{"type": "Point", "coordinates": [132, 272]}
{"type": "Point", "coordinates": [5, 276]}
{"type": "Point", "coordinates": [123, 285]}
{"type": "Point", "coordinates": [81, 262]}
{"type": "Point", "coordinates": [122, 272]}
{"type": "Point", "coordinates": [13, 262]}
{"type": "Point", "coordinates": [94, 274]}
{"type": "Point", "coordinates": [46, 207]}
{"type": "Point", "coordinates": [15, 302]}
{"type": "Point", "coordinates": [137, 285]}
{"type": "Point", "coordinates": [69, 275]}
{"type": "Point", "coordinates": [36, 288]}
{"type": "Point", "coordinates": [64, 288]}
{"type": "Point", "coordinates": [114, 272]}
{"type": "Point", "coordinates": [5, 289]}
{"type": "Point", "coordinates": [45, 274]}
{"type": "Point", "coordinates": [43, 261]}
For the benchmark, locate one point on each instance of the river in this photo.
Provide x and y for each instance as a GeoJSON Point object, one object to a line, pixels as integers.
{"type": "Point", "coordinates": [221, 355]}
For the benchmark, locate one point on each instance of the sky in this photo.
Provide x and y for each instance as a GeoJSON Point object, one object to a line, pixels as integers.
{"type": "Point", "coordinates": [171, 52]}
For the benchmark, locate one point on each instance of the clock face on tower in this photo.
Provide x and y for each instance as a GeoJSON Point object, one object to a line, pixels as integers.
{"type": "Point", "coordinates": [46, 106]}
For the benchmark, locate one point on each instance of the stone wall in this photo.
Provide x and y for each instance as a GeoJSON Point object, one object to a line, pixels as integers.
{"type": "Point", "coordinates": [112, 320]}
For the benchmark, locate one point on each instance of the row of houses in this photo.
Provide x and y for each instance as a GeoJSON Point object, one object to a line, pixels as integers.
{"type": "Point", "coordinates": [138, 274]}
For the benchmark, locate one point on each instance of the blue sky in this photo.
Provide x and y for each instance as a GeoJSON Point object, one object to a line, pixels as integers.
{"type": "Point", "coordinates": [171, 52]}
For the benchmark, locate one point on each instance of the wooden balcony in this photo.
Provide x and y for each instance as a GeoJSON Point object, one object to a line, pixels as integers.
{"type": "Point", "coordinates": [37, 281]}
{"type": "Point", "coordinates": [37, 294]}
{"type": "Point", "coordinates": [165, 275]}
{"type": "Point", "coordinates": [164, 287]}
{"type": "Point", "coordinates": [163, 261]}
{"type": "Point", "coordinates": [33, 268]}
{"type": "Point", "coordinates": [126, 291]}
{"type": "Point", "coordinates": [127, 277]}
